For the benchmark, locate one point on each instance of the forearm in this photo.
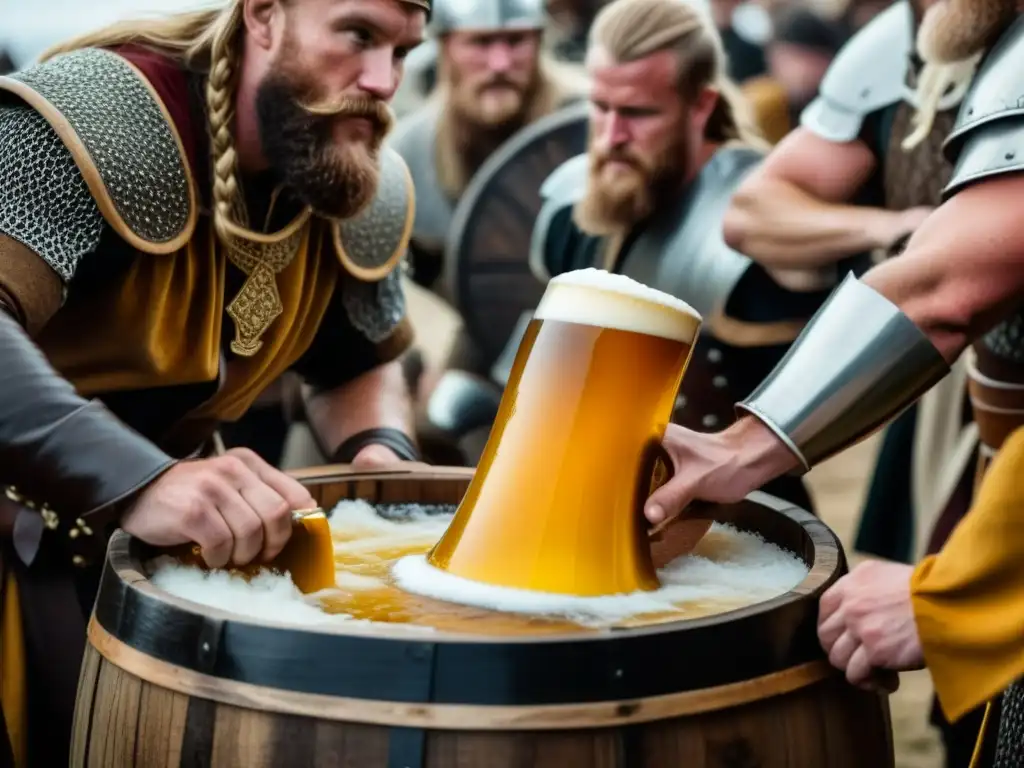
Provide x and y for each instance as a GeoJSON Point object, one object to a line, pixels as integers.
{"type": "Point", "coordinates": [376, 399]}
{"type": "Point", "coordinates": [57, 448]}
{"type": "Point", "coordinates": [963, 270]}
{"type": "Point", "coordinates": [879, 344]}
{"type": "Point", "coordinates": [781, 226]}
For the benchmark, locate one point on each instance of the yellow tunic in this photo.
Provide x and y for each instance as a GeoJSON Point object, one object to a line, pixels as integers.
{"type": "Point", "coordinates": [969, 598]}
{"type": "Point", "coordinates": [155, 322]}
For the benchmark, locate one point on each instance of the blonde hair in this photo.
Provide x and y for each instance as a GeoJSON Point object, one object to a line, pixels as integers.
{"type": "Point", "coordinates": [934, 81]}
{"type": "Point", "coordinates": [208, 42]}
{"type": "Point", "coordinates": [634, 29]}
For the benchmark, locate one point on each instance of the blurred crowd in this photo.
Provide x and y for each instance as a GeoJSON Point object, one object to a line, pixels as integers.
{"type": "Point", "coordinates": [777, 52]}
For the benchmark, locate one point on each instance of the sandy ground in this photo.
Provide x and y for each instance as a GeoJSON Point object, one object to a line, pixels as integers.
{"type": "Point", "coordinates": [838, 487]}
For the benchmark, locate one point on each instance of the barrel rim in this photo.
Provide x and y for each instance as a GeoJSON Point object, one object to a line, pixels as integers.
{"type": "Point", "coordinates": [401, 663]}
{"type": "Point", "coordinates": [123, 550]}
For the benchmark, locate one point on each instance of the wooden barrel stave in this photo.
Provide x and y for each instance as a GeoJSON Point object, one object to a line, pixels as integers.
{"type": "Point", "coordinates": [138, 711]}
{"type": "Point", "coordinates": [823, 724]}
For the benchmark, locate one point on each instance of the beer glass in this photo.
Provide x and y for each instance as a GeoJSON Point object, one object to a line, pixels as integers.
{"type": "Point", "coordinates": [556, 501]}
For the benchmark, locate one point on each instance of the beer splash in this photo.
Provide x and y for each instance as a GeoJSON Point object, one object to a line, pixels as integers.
{"type": "Point", "coordinates": [555, 503]}
{"type": "Point", "coordinates": [729, 569]}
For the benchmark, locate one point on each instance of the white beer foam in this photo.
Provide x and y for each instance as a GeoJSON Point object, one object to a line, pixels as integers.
{"type": "Point", "coordinates": [609, 300]}
{"type": "Point", "coordinates": [728, 567]}
{"type": "Point", "coordinates": [274, 597]}
{"type": "Point", "coordinates": [266, 596]}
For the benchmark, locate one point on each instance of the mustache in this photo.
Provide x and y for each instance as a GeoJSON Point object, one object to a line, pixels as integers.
{"type": "Point", "coordinates": [599, 158]}
{"type": "Point", "coordinates": [374, 110]}
{"type": "Point", "coordinates": [497, 80]}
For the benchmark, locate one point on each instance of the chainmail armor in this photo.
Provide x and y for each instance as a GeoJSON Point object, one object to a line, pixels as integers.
{"type": "Point", "coordinates": [44, 201]}
{"type": "Point", "coordinates": [374, 308]}
{"type": "Point", "coordinates": [1010, 742]}
{"type": "Point", "coordinates": [372, 238]}
{"type": "Point", "coordinates": [1006, 340]}
{"type": "Point", "coordinates": [125, 133]}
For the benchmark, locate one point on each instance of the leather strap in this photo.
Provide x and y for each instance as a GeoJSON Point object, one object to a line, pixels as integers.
{"type": "Point", "coordinates": [395, 439]}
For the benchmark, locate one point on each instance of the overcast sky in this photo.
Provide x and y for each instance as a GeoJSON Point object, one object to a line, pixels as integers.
{"type": "Point", "coordinates": [27, 27]}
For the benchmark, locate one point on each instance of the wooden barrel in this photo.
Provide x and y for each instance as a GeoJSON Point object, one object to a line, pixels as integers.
{"type": "Point", "coordinates": [167, 682]}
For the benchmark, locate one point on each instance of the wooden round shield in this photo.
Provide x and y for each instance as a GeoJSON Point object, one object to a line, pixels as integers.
{"type": "Point", "coordinates": [487, 255]}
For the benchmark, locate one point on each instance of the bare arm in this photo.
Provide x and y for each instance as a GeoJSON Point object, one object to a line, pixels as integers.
{"type": "Point", "coordinates": [378, 398]}
{"type": "Point", "coordinates": [791, 213]}
{"type": "Point", "coordinates": [963, 270]}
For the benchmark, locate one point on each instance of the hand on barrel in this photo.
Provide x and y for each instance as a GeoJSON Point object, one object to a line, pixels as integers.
{"type": "Point", "coordinates": [378, 456]}
{"type": "Point", "coordinates": [722, 466]}
{"type": "Point", "coordinates": [866, 623]}
{"type": "Point", "coordinates": [236, 507]}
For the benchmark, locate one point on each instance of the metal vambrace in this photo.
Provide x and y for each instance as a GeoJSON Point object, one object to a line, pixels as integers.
{"type": "Point", "coordinates": [858, 364]}
{"type": "Point", "coordinates": [58, 449]}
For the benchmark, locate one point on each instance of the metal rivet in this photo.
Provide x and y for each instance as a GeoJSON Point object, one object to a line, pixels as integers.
{"type": "Point", "coordinates": [681, 401]}
{"type": "Point", "coordinates": [715, 355]}
{"type": "Point", "coordinates": [865, 93]}
{"type": "Point", "coordinates": [78, 560]}
{"type": "Point", "coordinates": [1010, 155]}
{"type": "Point", "coordinates": [719, 381]}
{"type": "Point", "coordinates": [73, 533]}
{"type": "Point", "coordinates": [710, 420]}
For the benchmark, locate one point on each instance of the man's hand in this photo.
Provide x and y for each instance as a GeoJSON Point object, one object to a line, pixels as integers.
{"type": "Point", "coordinates": [901, 225]}
{"type": "Point", "coordinates": [381, 457]}
{"type": "Point", "coordinates": [236, 507]}
{"type": "Point", "coordinates": [866, 622]}
{"type": "Point", "coordinates": [723, 466]}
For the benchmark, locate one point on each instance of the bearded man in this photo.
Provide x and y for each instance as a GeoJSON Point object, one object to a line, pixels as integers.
{"type": "Point", "coordinates": [155, 177]}
{"type": "Point", "coordinates": [669, 143]}
{"type": "Point", "coordinates": [493, 80]}
{"type": "Point", "coordinates": [875, 347]}
{"type": "Point", "coordinates": [863, 170]}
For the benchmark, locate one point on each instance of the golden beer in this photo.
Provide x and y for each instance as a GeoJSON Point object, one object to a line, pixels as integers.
{"type": "Point", "coordinates": [556, 501]}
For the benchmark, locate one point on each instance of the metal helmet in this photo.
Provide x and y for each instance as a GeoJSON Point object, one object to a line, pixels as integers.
{"type": "Point", "coordinates": [449, 15]}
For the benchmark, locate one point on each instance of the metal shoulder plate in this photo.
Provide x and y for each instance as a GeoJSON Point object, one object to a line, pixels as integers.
{"type": "Point", "coordinates": [414, 139]}
{"type": "Point", "coordinates": [121, 138]}
{"type": "Point", "coordinates": [988, 137]}
{"type": "Point", "coordinates": [868, 74]}
{"type": "Point", "coordinates": [684, 252]}
{"type": "Point", "coordinates": [561, 190]}
{"type": "Point", "coordinates": [487, 256]}
{"type": "Point", "coordinates": [371, 244]}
